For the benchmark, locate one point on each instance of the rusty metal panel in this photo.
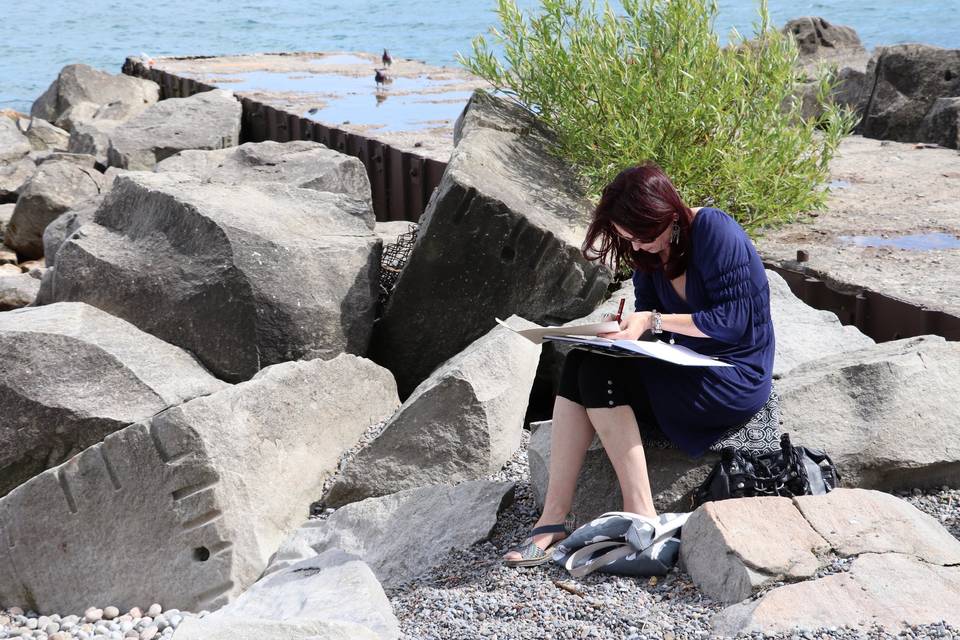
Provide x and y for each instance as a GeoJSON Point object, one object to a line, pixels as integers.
{"type": "Point", "coordinates": [397, 186]}
{"type": "Point", "coordinates": [338, 140]}
{"type": "Point", "coordinates": [377, 171]}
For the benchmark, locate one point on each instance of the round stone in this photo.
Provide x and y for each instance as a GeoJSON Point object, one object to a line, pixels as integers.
{"type": "Point", "coordinates": [154, 610]}
{"type": "Point", "coordinates": [15, 611]}
{"type": "Point", "coordinates": [131, 633]}
{"type": "Point", "coordinates": [93, 614]}
{"type": "Point", "coordinates": [149, 633]}
{"type": "Point", "coordinates": [135, 613]}
{"type": "Point", "coordinates": [110, 613]}
{"type": "Point", "coordinates": [51, 628]}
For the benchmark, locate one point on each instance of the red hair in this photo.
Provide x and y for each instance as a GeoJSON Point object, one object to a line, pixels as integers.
{"type": "Point", "coordinates": [642, 201]}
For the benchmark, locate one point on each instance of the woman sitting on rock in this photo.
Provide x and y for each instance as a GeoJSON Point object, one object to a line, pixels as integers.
{"type": "Point", "coordinates": [699, 282]}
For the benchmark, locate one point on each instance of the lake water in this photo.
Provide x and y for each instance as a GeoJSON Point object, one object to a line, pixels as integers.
{"type": "Point", "coordinates": [40, 38]}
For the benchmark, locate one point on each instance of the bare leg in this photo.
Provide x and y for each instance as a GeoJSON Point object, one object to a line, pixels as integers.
{"type": "Point", "coordinates": [620, 435]}
{"type": "Point", "coordinates": [572, 435]}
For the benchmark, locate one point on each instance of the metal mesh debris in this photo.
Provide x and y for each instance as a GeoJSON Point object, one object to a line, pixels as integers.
{"type": "Point", "coordinates": [395, 256]}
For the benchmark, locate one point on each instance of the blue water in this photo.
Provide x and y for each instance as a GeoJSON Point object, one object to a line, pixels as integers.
{"type": "Point", "coordinates": [914, 242]}
{"type": "Point", "coordinates": [38, 38]}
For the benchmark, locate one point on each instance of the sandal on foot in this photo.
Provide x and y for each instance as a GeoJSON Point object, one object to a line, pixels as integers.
{"type": "Point", "coordinates": [532, 555]}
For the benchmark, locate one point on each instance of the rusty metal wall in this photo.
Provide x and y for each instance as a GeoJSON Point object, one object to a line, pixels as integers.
{"type": "Point", "coordinates": [879, 316]}
{"type": "Point", "coordinates": [401, 182]}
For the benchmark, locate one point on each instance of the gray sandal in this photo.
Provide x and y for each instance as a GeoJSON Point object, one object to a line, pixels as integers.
{"type": "Point", "coordinates": [530, 554]}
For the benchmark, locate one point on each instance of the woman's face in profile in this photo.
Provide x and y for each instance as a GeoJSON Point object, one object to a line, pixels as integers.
{"type": "Point", "coordinates": [656, 245]}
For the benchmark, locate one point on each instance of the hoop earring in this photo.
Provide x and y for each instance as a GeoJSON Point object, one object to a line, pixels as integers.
{"type": "Point", "coordinates": [675, 235]}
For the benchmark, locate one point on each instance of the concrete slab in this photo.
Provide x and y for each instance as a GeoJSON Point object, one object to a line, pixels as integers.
{"type": "Point", "coordinates": [414, 113]}
{"type": "Point", "coordinates": [890, 225]}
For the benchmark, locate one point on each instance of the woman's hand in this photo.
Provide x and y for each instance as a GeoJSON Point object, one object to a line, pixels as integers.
{"type": "Point", "coordinates": [632, 327]}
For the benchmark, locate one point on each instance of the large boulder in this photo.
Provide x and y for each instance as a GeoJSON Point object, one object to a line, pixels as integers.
{"type": "Point", "coordinates": [79, 83]}
{"type": "Point", "coordinates": [941, 125]}
{"type": "Point", "coordinates": [901, 564]}
{"type": "Point", "coordinates": [462, 423]}
{"type": "Point", "coordinates": [57, 185]}
{"type": "Point", "coordinates": [243, 277]}
{"type": "Point", "coordinates": [886, 413]}
{"type": "Point", "coordinates": [186, 507]}
{"type": "Point", "coordinates": [500, 236]}
{"type": "Point", "coordinates": [17, 290]}
{"type": "Point", "coordinates": [14, 175]}
{"type": "Point", "coordinates": [44, 136]}
{"type": "Point", "coordinates": [816, 37]}
{"type": "Point", "coordinates": [300, 163]}
{"type": "Point", "coordinates": [330, 595]}
{"type": "Point", "coordinates": [65, 224]}
{"type": "Point", "coordinates": [907, 80]}
{"type": "Point", "coordinates": [208, 120]}
{"type": "Point", "coordinates": [73, 374]}
{"type": "Point", "coordinates": [405, 534]}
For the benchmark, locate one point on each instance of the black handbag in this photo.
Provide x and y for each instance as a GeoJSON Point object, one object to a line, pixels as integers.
{"type": "Point", "coordinates": [789, 471]}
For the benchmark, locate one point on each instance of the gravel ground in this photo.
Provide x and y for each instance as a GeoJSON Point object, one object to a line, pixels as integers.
{"type": "Point", "coordinates": [472, 595]}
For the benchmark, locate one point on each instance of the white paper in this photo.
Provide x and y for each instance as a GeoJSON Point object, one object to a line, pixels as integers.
{"type": "Point", "coordinates": [673, 353]}
{"type": "Point", "coordinates": [537, 334]}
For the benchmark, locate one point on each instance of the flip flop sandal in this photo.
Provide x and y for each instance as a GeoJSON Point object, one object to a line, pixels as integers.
{"type": "Point", "coordinates": [530, 554]}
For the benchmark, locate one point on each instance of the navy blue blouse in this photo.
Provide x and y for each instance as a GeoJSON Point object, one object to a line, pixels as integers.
{"type": "Point", "coordinates": [729, 297]}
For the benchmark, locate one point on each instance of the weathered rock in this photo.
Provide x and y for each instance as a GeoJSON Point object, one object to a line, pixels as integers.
{"type": "Point", "coordinates": [57, 185]}
{"type": "Point", "coordinates": [43, 136]}
{"type": "Point", "coordinates": [907, 80]}
{"type": "Point", "coordinates": [208, 120]}
{"type": "Point", "coordinates": [206, 490]}
{"type": "Point", "coordinates": [13, 143]}
{"type": "Point", "coordinates": [673, 474]}
{"type": "Point", "coordinates": [817, 37]}
{"type": "Point", "coordinates": [17, 290]}
{"type": "Point", "coordinates": [73, 374]}
{"type": "Point", "coordinates": [301, 163]}
{"type": "Point", "coordinates": [334, 588]}
{"type": "Point", "coordinates": [388, 532]}
{"type": "Point", "coordinates": [492, 245]}
{"type": "Point", "coordinates": [733, 548]}
{"type": "Point", "coordinates": [6, 212]}
{"type": "Point", "coordinates": [93, 137]}
{"type": "Point", "coordinates": [884, 413]}
{"type": "Point", "coordinates": [13, 176]}
{"type": "Point", "coordinates": [78, 114]}
{"type": "Point", "coordinates": [243, 277]}
{"type": "Point", "coordinates": [889, 590]}
{"type": "Point", "coordinates": [10, 269]}
{"type": "Point", "coordinates": [78, 83]}
{"type": "Point", "coordinates": [804, 333]}
{"type": "Point", "coordinates": [65, 224]}
{"type": "Point", "coordinates": [462, 423]}
{"type": "Point", "coordinates": [856, 521]}
{"type": "Point", "coordinates": [941, 125]}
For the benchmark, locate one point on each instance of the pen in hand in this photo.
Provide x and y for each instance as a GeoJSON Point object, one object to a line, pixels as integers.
{"type": "Point", "coordinates": [620, 309]}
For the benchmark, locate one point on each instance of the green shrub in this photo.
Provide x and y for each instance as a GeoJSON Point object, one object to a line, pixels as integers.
{"type": "Point", "coordinates": [653, 82]}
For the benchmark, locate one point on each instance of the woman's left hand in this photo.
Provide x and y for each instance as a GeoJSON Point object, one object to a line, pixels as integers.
{"type": "Point", "coordinates": [632, 327]}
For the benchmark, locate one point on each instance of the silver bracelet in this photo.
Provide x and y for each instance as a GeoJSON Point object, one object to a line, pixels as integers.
{"type": "Point", "coordinates": [657, 322]}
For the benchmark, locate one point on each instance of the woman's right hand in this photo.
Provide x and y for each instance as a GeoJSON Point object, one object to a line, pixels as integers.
{"type": "Point", "coordinates": [632, 327]}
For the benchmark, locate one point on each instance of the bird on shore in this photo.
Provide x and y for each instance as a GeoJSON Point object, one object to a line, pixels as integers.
{"type": "Point", "coordinates": [381, 78]}
{"type": "Point", "coordinates": [386, 59]}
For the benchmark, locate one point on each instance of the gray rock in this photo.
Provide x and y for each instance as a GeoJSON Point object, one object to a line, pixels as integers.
{"type": "Point", "coordinates": [13, 143]}
{"type": "Point", "coordinates": [301, 163]}
{"type": "Point", "coordinates": [888, 590]}
{"type": "Point", "coordinates": [195, 629]}
{"type": "Point", "coordinates": [78, 83]}
{"type": "Point", "coordinates": [243, 277]}
{"type": "Point", "coordinates": [208, 120]}
{"type": "Point", "coordinates": [13, 177]}
{"type": "Point", "coordinates": [334, 588]}
{"type": "Point", "coordinates": [494, 246]}
{"type": "Point", "coordinates": [93, 138]}
{"type": "Point", "coordinates": [45, 136]}
{"type": "Point", "coordinates": [206, 491]}
{"type": "Point", "coordinates": [74, 374]}
{"type": "Point", "coordinates": [884, 413]}
{"type": "Point", "coordinates": [804, 333]}
{"type": "Point", "coordinates": [817, 37]}
{"type": "Point", "coordinates": [907, 80]}
{"type": "Point", "coordinates": [17, 291]}
{"type": "Point", "coordinates": [79, 113]}
{"type": "Point", "coordinates": [389, 532]}
{"type": "Point", "coordinates": [65, 224]}
{"type": "Point", "coordinates": [6, 212]}
{"type": "Point", "coordinates": [941, 125]}
{"type": "Point", "coordinates": [673, 475]}
{"type": "Point", "coordinates": [462, 423]}
{"type": "Point", "coordinates": [733, 548]}
{"type": "Point", "coordinates": [57, 185]}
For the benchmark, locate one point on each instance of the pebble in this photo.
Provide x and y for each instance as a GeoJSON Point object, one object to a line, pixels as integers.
{"type": "Point", "coordinates": [110, 613]}
{"type": "Point", "coordinates": [154, 610]}
{"type": "Point", "coordinates": [135, 613]}
{"type": "Point", "coordinates": [92, 614]}
{"type": "Point", "coordinates": [149, 632]}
